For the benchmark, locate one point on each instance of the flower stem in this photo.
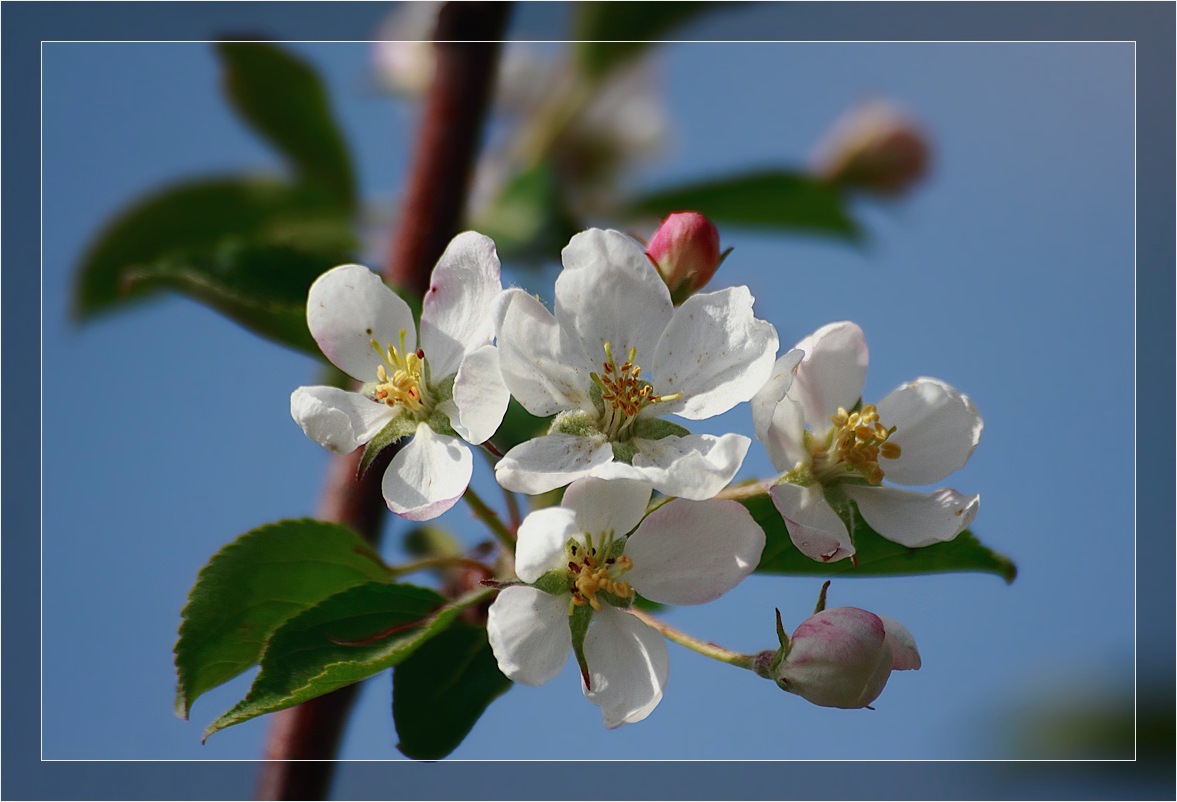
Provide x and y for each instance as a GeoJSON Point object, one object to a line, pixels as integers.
{"type": "Point", "coordinates": [439, 562]}
{"type": "Point", "coordinates": [706, 649]}
{"type": "Point", "coordinates": [513, 515]}
{"type": "Point", "coordinates": [491, 518]}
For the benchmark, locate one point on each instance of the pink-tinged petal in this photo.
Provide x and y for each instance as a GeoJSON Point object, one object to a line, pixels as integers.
{"type": "Point", "coordinates": [428, 475]}
{"type": "Point", "coordinates": [529, 635]}
{"type": "Point", "coordinates": [456, 315]}
{"type": "Point", "coordinates": [839, 657]}
{"type": "Point", "coordinates": [832, 373]}
{"type": "Point", "coordinates": [542, 368]}
{"type": "Point", "coordinates": [814, 527]}
{"type": "Point", "coordinates": [778, 420]}
{"type": "Point", "coordinates": [715, 352]}
{"type": "Point", "coordinates": [915, 519]}
{"type": "Point", "coordinates": [628, 666]}
{"type": "Point", "coordinates": [693, 552]}
{"type": "Point", "coordinates": [936, 428]}
{"type": "Point", "coordinates": [609, 292]}
{"type": "Point", "coordinates": [616, 505]}
{"type": "Point", "coordinates": [542, 538]}
{"type": "Point", "coordinates": [551, 461]}
{"type": "Point", "coordinates": [480, 397]}
{"type": "Point", "coordinates": [347, 308]}
{"type": "Point", "coordinates": [904, 654]}
{"type": "Point", "coordinates": [694, 466]}
{"type": "Point", "coordinates": [336, 419]}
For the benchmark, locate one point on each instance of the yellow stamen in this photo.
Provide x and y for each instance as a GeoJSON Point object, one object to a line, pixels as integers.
{"type": "Point", "coordinates": [403, 383]}
{"type": "Point", "coordinates": [855, 445]}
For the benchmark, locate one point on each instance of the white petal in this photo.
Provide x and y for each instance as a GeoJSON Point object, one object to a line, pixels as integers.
{"type": "Point", "coordinates": [428, 475]}
{"type": "Point", "coordinates": [337, 419]}
{"type": "Point", "coordinates": [915, 519]}
{"type": "Point", "coordinates": [936, 428]}
{"type": "Point", "coordinates": [832, 373]}
{"type": "Point", "coordinates": [628, 666]}
{"type": "Point", "coordinates": [602, 505]}
{"type": "Point", "coordinates": [693, 552]}
{"type": "Point", "coordinates": [904, 654]}
{"type": "Point", "coordinates": [480, 397]}
{"type": "Point", "coordinates": [529, 635]}
{"type": "Point", "coordinates": [551, 461]}
{"type": "Point", "coordinates": [347, 308]}
{"type": "Point", "coordinates": [814, 527]}
{"type": "Point", "coordinates": [694, 466]}
{"type": "Point", "coordinates": [779, 422]}
{"type": "Point", "coordinates": [456, 316]}
{"type": "Point", "coordinates": [715, 352]}
{"type": "Point", "coordinates": [543, 370]}
{"type": "Point", "coordinates": [609, 292]}
{"type": "Point", "coordinates": [542, 538]}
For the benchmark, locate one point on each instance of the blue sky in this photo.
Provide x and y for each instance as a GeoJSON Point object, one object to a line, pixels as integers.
{"type": "Point", "coordinates": [1009, 274]}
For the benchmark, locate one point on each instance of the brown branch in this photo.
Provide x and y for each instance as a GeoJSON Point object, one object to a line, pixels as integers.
{"type": "Point", "coordinates": [443, 160]}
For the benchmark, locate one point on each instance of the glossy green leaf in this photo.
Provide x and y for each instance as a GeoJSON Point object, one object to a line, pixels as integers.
{"type": "Point", "coordinates": [342, 640]}
{"type": "Point", "coordinates": [441, 691]}
{"type": "Point", "coordinates": [600, 25]}
{"type": "Point", "coordinates": [283, 99]}
{"type": "Point", "coordinates": [254, 584]}
{"type": "Point", "coordinates": [876, 555]}
{"type": "Point", "coordinates": [770, 199]}
{"type": "Point", "coordinates": [248, 247]}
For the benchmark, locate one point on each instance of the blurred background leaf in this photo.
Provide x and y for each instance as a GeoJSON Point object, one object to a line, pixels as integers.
{"type": "Point", "coordinates": [601, 30]}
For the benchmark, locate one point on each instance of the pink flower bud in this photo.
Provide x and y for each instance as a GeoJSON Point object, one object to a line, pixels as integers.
{"type": "Point", "coordinates": [874, 147]}
{"type": "Point", "coordinates": [843, 656]}
{"type": "Point", "coordinates": [685, 249]}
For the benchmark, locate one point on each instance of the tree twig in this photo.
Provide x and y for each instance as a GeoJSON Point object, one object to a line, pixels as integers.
{"type": "Point", "coordinates": [443, 160]}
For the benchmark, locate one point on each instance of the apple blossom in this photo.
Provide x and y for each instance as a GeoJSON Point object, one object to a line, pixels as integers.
{"type": "Point", "coordinates": [583, 572]}
{"type": "Point", "coordinates": [843, 656]}
{"type": "Point", "coordinates": [832, 451]}
{"type": "Point", "coordinates": [582, 365]}
{"type": "Point", "coordinates": [447, 391]}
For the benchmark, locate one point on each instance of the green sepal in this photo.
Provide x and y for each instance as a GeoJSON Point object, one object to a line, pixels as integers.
{"type": "Point", "coordinates": [624, 451]}
{"type": "Point", "coordinates": [557, 582]}
{"type": "Point", "coordinates": [578, 624]}
{"type": "Point", "coordinates": [657, 429]}
{"type": "Point", "coordinates": [595, 396]}
{"type": "Point", "coordinates": [821, 598]}
{"type": "Point", "coordinates": [397, 428]}
{"type": "Point", "coordinates": [783, 639]}
{"type": "Point", "coordinates": [577, 423]}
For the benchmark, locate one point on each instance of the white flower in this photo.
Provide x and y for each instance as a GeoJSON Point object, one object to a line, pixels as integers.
{"type": "Point", "coordinates": [917, 435]}
{"type": "Point", "coordinates": [843, 657]}
{"type": "Point", "coordinates": [576, 555]}
{"type": "Point", "coordinates": [447, 391]}
{"type": "Point", "coordinates": [613, 313]}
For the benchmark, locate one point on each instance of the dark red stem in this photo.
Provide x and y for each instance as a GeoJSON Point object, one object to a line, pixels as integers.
{"type": "Point", "coordinates": [431, 209]}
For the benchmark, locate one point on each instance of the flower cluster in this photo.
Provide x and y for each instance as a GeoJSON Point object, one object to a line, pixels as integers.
{"type": "Point", "coordinates": [630, 342]}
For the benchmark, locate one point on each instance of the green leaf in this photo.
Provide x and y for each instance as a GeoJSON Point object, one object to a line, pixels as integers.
{"type": "Point", "coordinates": [342, 640]}
{"type": "Point", "coordinates": [283, 99]}
{"type": "Point", "coordinates": [876, 555]}
{"type": "Point", "coordinates": [599, 25]}
{"type": "Point", "coordinates": [249, 247]}
{"type": "Point", "coordinates": [254, 584]}
{"type": "Point", "coordinates": [397, 428]}
{"type": "Point", "coordinates": [441, 691]}
{"type": "Point", "coordinates": [770, 199]}
{"type": "Point", "coordinates": [528, 220]}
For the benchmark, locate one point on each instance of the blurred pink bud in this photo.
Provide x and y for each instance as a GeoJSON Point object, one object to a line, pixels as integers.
{"type": "Point", "coordinates": [874, 147]}
{"type": "Point", "coordinates": [843, 656]}
{"type": "Point", "coordinates": [685, 249]}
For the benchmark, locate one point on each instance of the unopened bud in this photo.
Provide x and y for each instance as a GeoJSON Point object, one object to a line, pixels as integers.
{"type": "Point", "coordinates": [843, 656]}
{"type": "Point", "coordinates": [685, 249]}
{"type": "Point", "coordinates": [874, 147]}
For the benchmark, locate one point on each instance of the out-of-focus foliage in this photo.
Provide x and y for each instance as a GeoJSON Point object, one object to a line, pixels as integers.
{"type": "Point", "coordinates": [606, 32]}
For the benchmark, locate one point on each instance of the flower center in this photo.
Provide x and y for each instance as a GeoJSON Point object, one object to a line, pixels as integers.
{"type": "Point", "coordinates": [401, 379]}
{"type": "Point", "coordinates": [594, 570]}
{"type": "Point", "coordinates": [854, 446]}
{"type": "Point", "coordinates": [623, 393]}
